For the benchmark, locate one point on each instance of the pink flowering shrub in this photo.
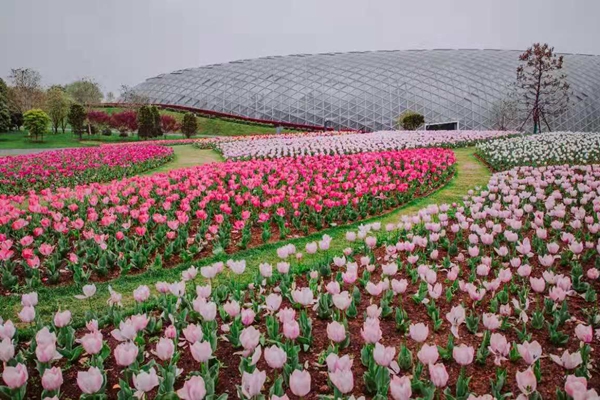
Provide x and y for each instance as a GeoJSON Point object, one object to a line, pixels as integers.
{"type": "Point", "coordinates": [70, 167]}
{"type": "Point", "coordinates": [222, 206]}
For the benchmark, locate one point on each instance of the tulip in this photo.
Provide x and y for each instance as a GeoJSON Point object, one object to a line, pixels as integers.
{"type": "Point", "coordinates": [400, 388]}
{"type": "Point", "coordinates": [193, 333]}
{"type": "Point", "coordinates": [90, 381]}
{"type": "Point", "coordinates": [418, 332]}
{"type": "Point", "coordinates": [273, 302]}
{"type": "Point", "coordinates": [27, 314]}
{"type": "Point", "coordinates": [343, 380]}
{"type": "Point", "coordinates": [584, 333]}
{"type": "Point", "coordinates": [252, 383]}
{"type": "Point", "coordinates": [275, 357]}
{"type": "Point", "coordinates": [145, 381]}
{"type": "Point", "coordinates": [291, 329]}
{"type": "Point", "coordinates": [249, 338]}
{"type": "Point", "coordinates": [88, 291]}
{"type": "Point", "coordinates": [371, 332]}
{"type": "Point", "coordinates": [62, 319]}
{"type": "Point", "coordinates": [530, 352]}
{"type": "Point", "coordinates": [165, 349]}
{"type": "Point", "coordinates": [201, 351]}
{"type": "Point", "coordinates": [300, 383]}
{"type": "Point", "coordinates": [52, 379]}
{"type": "Point", "coordinates": [15, 377]}
{"type": "Point", "coordinates": [126, 353]}
{"type": "Point", "coordinates": [568, 360]}
{"type": "Point", "coordinates": [383, 355]}
{"type": "Point", "coordinates": [438, 375]}
{"type": "Point", "coordinates": [526, 381]}
{"type": "Point", "coordinates": [342, 300]}
{"type": "Point", "coordinates": [141, 294]}
{"type": "Point", "coordinates": [463, 354]}
{"type": "Point", "coordinates": [29, 300]}
{"type": "Point", "coordinates": [576, 387]}
{"type": "Point", "coordinates": [336, 332]}
{"type": "Point", "coordinates": [428, 354]}
{"type": "Point", "coordinates": [193, 389]}
{"type": "Point", "coordinates": [92, 342]}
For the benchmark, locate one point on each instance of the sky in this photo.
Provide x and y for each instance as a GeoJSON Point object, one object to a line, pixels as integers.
{"type": "Point", "coordinates": [126, 41]}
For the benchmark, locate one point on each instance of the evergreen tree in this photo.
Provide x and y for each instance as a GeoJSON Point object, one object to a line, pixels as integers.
{"type": "Point", "coordinates": [77, 118]}
{"type": "Point", "coordinates": [145, 120]}
{"type": "Point", "coordinates": [5, 122]}
{"type": "Point", "coordinates": [189, 125]}
{"type": "Point", "coordinates": [156, 126]}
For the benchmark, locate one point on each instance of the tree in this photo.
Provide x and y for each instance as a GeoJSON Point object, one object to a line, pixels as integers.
{"type": "Point", "coordinates": [133, 98]}
{"type": "Point", "coordinates": [16, 120]}
{"type": "Point", "coordinates": [99, 119]}
{"type": "Point", "coordinates": [189, 125]}
{"type": "Point", "coordinates": [57, 106]}
{"type": "Point", "coordinates": [86, 92]}
{"type": "Point", "coordinates": [36, 121]}
{"type": "Point", "coordinates": [4, 111]}
{"type": "Point", "coordinates": [505, 113]}
{"type": "Point", "coordinates": [410, 120]}
{"type": "Point", "coordinates": [542, 86]}
{"type": "Point", "coordinates": [145, 122]}
{"type": "Point", "coordinates": [76, 119]}
{"type": "Point", "coordinates": [124, 121]}
{"type": "Point", "coordinates": [110, 97]}
{"type": "Point", "coordinates": [156, 127]}
{"type": "Point", "coordinates": [168, 123]}
{"type": "Point", "coordinates": [27, 91]}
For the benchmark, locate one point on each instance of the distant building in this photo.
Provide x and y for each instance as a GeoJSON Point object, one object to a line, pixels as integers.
{"type": "Point", "coordinates": [369, 90]}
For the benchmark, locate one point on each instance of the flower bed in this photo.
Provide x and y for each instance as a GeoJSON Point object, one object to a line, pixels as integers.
{"type": "Point", "coordinates": [70, 167]}
{"type": "Point", "coordinates": [106, 229]}
{"type": "Point", "coordinates": [276, 147]}
{"type": "Point", "coordinates": [552, 148]}
{"type": "Point", "coordinates": [491, 299]}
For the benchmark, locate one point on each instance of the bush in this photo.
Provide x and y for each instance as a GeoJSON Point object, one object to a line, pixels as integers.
{"type": "Point", "coordinates": [189, 125]}
{"type": "Point", "coordinates": [156, 126]}
{"type": "Point", "coordinates": [124, 121]}
{"type": "Point", "coordinates": [106, 132]}
{"type": "Point", "coordinates": [4, 112]}
{"type": "Point", "coordinates": [36, 122]}
{"type": "Point", "coordinates": [16, 120]}
{"type": "Point", "coordinates": [410, 120]}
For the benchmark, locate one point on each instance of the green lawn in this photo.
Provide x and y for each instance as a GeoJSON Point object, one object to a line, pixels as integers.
{"type": "Point", "coordinates": [470, 173]}
{"type": "Point", "coordinates": [187, 156]}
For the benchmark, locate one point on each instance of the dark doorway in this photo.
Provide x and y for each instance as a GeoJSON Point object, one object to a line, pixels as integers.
{"type": "Point", "coordinates": [443, 126]}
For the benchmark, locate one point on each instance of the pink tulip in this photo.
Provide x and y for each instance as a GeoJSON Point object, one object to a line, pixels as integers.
{"type": "Point", "coordinates": [568, 360]}
{"type": "Point", "coordinates": [418, 332]}
{"type": "Point", "coordinates": [92, 342]}
{"type": "Point", "coordinates": [530, 352]}
{"type": "Point", "coordinates": [526, 381]}
{"type": "Point", "coordinates": [343, 380]}
{"type": "Point", "coordinates": [126, 353]}
{"type": "Point", "coordinates": [193, 333]}
{"type": "Point", "coordinates": [400, 388]}
{"type": "Point", "coordinates": [491, 321]}
{"type": "Point", "coordinates": [342, 300]}
{"type": "Point", "coordinates": [249, 338]}
{"type": "Point", "coordinates": [291, 329]}
{"type": "Point", "coordinates": [537, 284]}
{"type": "Point", "coordinates": [62, 319]}
{"type": "Point", "coordinates": [27, 314]}
{"type": "Point", "coordinates": [584, 333]}
{"type": "Point", "coordinates": [336, 363]}
{"type": "Point", "coordinates": [336, 332]}
{"type": "Point", "coordinates": [438, 375]}
{"type": "Point", "coordinates": [463, 354]}
{"type": "Point", "coordinates": [88, 291]}
{"type": "Point", "coordinates": [90, 381]}
{"type": "Point", "coordinates": [7, 350]}
{"type": "Point", "coordinates": [252, 383]}
{"type": "Point", "coordinates": [15, 377]}
{"type": "Point", "coordinates": [201, 351]}
{"type": "Point", "coordinates": [273, 302]}
{"type": "Point", "coordinates": [300, 383]}
{"type": "Point", "coordinates": [145, 381]}
{"type": "Point", "coordinates": [576, 387]}
{"type": "Point", "coordinates": [7, 330]}
{"type": "Point", "coordinates": [371, 332]}
{"type": "Point", "coordinates": [141, 294]}
{"type": "Point", "coordinates": [52, 378]}
{"type": "Point", "coordinates": [29, 300]}
{"type": "Point", "coordinates": [383, 355]}
{"type": "Point", "coordinates": [248, 316]}
{"type": "Point", "coordinates": [193, 389]}
{"type": "Point", "coordinates": [165, 349]}
{"type": "Point", "coordinates": [232, 308]}
{"type": "Point", "coordinates": [499, 346]}
{"type": "Point", "coordinates": [275, 357]}
{"type": "Point", "coordinates": [428, 354]}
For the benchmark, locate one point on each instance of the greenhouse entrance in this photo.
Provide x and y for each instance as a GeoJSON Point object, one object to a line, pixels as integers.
{"type": "Point", "coordinates": [442, 126]}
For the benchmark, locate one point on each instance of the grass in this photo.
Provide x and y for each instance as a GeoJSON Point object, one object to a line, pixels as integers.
{"type": "Point", "coordinates": [187, 156]}
{"type": "Point", "coordinates": [470, 173]}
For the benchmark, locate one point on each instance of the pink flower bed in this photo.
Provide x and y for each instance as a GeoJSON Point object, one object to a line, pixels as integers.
{"type": "Point", "coordinates": [98, 228]}
{"type": "Point", "coordinates": [52, 169]}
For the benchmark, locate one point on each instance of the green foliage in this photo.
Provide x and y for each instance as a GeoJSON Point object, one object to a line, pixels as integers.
{"type": "Point", "coordinates": [410, 120]}
{"type": "Point", "coordinates": [76, 118]}
{"type": "Point", "coordinates": [190, 125]}
{"type": "Point", "coordinates": [36, 121]}
{"type": "Point", "coordinates": [4, 111]}
{"type": "Point", "coordinates": [57, 105]}
{"type": "Point", "coordinates": [145, 122]}
{"type": "Point", "coordinates": [156, 127]}
{"type": "Point", "coordinates": [16, 120]}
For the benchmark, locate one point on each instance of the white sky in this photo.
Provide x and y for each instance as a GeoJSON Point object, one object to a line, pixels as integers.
{"type": "Point", "coordinates": [126, 41]}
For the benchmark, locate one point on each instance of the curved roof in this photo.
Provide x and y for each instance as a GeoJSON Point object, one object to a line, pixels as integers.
{"type": "Point", "coordinates": [368, 90]}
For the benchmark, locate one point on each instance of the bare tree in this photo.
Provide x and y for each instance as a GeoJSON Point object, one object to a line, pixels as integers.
{"type": "Point", "coordinates": [110, 97]}
{"type": "Point", "coordinates": [505, 113]}
{"type": "Point", "coordinates": [542, 86]}
{"type": "Point", "coordinates": [132, 97]}
{"type": "Point", "coordinates": [27, 90]}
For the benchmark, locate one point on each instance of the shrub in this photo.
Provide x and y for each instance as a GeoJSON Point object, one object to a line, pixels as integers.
{"type": "Point", "coordinates": [106, 132]}
{"type": "Point", "coordinates": [410, 120]}
{"type": "Point", "coordinates": [76, 119]}
{"type": "Point", "coordinates": [168, 123]}
{"type": "Point", "coordinates": [125, 121]}
{"type": "Point", "coordinates": [98, 119]}
{"type": "Point", "coordinates": [4, 112]}
{"type": "Point", "coordinates": [36, 121]}
{"type": "Point", "coordinates": [145, 121]}
{"type": "Point", "coordinates": [16, 120]}
{"type": "Point", "coordinates": [156, 126]}
{"type": "Point", "coordinates": [189, 125]}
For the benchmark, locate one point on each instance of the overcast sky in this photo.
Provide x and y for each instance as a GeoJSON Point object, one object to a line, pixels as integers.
{"type": "Point", "coordinates": [126, 41]}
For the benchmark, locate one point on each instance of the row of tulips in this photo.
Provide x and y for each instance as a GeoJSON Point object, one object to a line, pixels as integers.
{"type": "Point", "coordinates": [493, 298]}
{"type": "Point", "coordinates": [552, 148]}
{"type": "Point", "coordinates": [70, 167]}
{"type": "Point", "coordinates": [296, 146]}
{"type": "Point", "coordinates": [91, 230]}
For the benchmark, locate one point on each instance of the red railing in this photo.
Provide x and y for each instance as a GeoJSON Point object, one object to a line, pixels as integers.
{"type": "Point", "coordinates": [210, 113]}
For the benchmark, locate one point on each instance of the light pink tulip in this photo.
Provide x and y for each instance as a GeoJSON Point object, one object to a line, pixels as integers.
{"type": "Point", "coordinates": [193, 389]}
{"type": "Point", "coordinates": [52, 378]}
{"type": "Point", "coordinates": [418, 332]}
{"type": "Point", "coordinates": [400, 388]}
{"type": "Point", "coordinates": [383, 355]}
{"type": "Point", "coordinates": [428, 354]}
{"type": "Point", "coordinates": [336, 332]}
{"type": "Point", "coordinates": [201, 351]}
{"type": "Point", "coordinates": [371, 332]}
{"type": "Point", "coordinates": [463, 354]}
{"type": "Point", "coordinates": [275, 357]}
{"type": "Point", "coordinates": [193, 333]}
{"type": "Point", "coordinates": [584, 333]}
{"type": "Point", "coordinates": [165, 348]}
{"type": "Point", "coordinates": [90, 381]}
{"type": "Point", "coordinates": [530, 352]}
{"type": "Point", "coordinates": [291, 329]}
{"type": "Point", "coordinates": [252, 383]}
{"type": "Point", "coordinates": [145, 381]}
{"type": "Point", "coordinates": [62, 319]}
{"type": "Point", "coordinates": [300, 382]}
{"type": "Point", "coordinates": [526, 381]}
{"type": "Point", "coordinates": [438, 375]}
{"type": "Point", "coordinates": [15, 377]}
{"type": "Point", "coordinates": [249, 338]}
{"type": "Point", "coordinates": [343, 380]}
{"type": "Point", "coordinates": [126, 353]}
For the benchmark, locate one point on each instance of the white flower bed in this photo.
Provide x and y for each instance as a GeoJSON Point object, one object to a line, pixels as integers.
{"type": "Point", "coordinates": [275, 147]}
{"type": "Point", "coordinates": [543, 149]}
